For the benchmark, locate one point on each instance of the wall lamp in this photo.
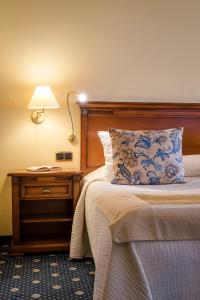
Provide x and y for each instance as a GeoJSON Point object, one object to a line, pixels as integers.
{"type": "Point", "coordinates": [81, 98]}
{"type": "Point", "coordinates": [42, 98]}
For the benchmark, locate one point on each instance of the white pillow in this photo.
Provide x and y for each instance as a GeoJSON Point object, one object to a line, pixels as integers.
{"type": "Point", "coordinates": [107, 147]}
{"type": "Point", "coordinates": [191, 165]}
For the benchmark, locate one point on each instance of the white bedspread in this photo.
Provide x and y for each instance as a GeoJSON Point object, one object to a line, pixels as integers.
{"type": "Point", "coordinates": [138, 270]}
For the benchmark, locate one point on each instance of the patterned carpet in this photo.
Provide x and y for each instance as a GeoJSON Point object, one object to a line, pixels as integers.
{"type": "Point", "coordinates": [44, 277]}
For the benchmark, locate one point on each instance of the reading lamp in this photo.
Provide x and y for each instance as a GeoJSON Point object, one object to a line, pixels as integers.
{"type": "Point", "coordinates": [81, 98]}
{"type": "Point", "coordinates": [42, 98]}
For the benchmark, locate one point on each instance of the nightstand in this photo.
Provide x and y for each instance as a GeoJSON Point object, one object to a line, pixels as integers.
{"type": "Point", "coordinates": [43, 204]}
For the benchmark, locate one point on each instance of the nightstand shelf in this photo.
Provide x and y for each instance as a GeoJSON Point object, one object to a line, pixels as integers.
{"type": "Point", "coordinates": [41, 244]}
{"type": "Point", "coordinates": [45, 218]}
{"type": "Point", "coordinates": [43, 208]}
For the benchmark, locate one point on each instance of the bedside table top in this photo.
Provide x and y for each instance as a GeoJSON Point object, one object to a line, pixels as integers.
{"type": "Point", "coordinates": [23, 172]}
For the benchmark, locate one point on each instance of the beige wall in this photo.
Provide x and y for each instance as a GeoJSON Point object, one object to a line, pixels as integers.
{"type": "Point", "coordinates": [23, 144]}
{"type": "Point", "coordinates": [113, 50]}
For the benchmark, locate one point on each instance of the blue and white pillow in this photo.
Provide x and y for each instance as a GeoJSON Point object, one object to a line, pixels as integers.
{"type": "Point", "coordinates": [147, 157]}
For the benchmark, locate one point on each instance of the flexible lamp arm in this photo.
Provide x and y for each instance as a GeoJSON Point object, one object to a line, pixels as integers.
{"type": "Point", "coordinates": [72, 135]}
{"type": "Point", "coordinates": [82, 98]}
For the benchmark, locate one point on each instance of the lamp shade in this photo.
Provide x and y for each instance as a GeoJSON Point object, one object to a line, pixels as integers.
{"type": "Point", "coordinates": [43, 98]}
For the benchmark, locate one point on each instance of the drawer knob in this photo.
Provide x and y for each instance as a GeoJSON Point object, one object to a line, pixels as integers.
{"type": "Point", "coordinates": [46, 190]}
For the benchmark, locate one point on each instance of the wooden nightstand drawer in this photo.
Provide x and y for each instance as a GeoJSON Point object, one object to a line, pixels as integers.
{"type": "Point", "coordinates": [47, 190]}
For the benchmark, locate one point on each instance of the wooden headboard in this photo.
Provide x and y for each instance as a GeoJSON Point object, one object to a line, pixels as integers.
{"type": "Point", "coordinates": [97, 116]}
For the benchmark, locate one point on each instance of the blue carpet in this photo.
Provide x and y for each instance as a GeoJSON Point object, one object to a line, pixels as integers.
{"type": "Point", "coordinates": [45, 276]}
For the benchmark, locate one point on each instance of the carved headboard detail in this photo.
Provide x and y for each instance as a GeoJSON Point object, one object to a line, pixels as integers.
{"type": "Point", "coordinates": [97, 116]}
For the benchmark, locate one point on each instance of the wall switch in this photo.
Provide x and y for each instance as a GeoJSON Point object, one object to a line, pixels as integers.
{"type": "Point", "coordinates": [60, 156]}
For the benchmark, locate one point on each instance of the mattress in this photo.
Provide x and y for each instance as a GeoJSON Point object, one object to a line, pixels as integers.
{"type": "Point", "coordinates": [155, 270]}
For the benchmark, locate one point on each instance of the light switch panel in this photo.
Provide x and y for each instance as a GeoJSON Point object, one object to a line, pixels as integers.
{"type": "Point", "coordinates": [60, 156]}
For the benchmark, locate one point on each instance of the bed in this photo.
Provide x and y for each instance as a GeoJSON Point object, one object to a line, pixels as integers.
{"type": "Point", "coordinates": [146, 270]}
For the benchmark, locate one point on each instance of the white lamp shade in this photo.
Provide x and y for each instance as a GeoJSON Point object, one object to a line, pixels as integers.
{"type": "Point", "coordinates": [43, 98]}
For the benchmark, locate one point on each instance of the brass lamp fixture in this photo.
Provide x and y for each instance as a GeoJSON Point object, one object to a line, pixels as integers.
{"type": "Point", "coordinates": [81, 98]}
{"type": "Point", "coordinates": [42, 98]}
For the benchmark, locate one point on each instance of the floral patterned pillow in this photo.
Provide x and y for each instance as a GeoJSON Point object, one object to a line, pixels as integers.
{"type": "Point", "coordinates": [147, 157]}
